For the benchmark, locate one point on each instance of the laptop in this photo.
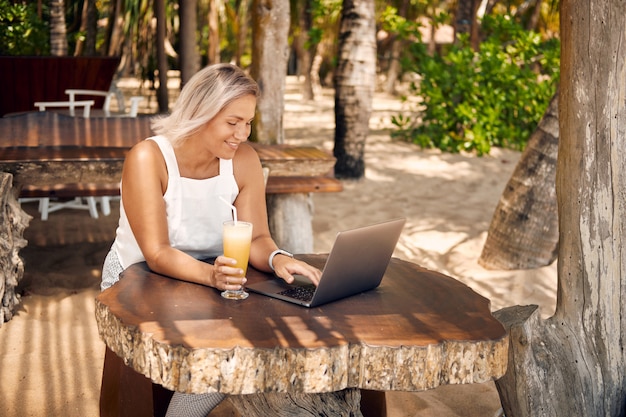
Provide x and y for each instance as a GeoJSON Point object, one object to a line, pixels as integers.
{"type": "Point", "coordinates": [356, 263]}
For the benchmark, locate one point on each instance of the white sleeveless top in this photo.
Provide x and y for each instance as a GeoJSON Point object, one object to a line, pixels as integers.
{"type": "Point", "coordinates": [194, 211]}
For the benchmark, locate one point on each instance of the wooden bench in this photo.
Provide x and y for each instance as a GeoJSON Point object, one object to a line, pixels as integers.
{"type": "Point", "coordinates": [301, 184]}
{"type": "Point", "coordinates": [275, 185]}
{"type": "Point", "coordinates": [46, 152]}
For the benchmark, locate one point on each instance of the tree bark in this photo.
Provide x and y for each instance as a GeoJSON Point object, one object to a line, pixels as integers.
{"type": "Point", "coordinates": [533, 20]}
{"type": "Point", "coordinates": [88, 25]}
{"type": "Point", "coordinates": [243, 18]}
{"type": "Point", "coordinates": [344, 403]}
{"type": "Point", "coordinates": [213, 53]}
{"type": "Point", "coordinates": [305, 48]}
{"type": "Point", "coordinates": [395, 69]}
{"type": "Point", "coordinates": [58, 31]}
{"type": "Point", "coordinates": [393, 72]}
{"type": "Point", "coordinates": [115, 35]}
{"type": "Point", "coordinates": [466, 20]}
{"type": "Point", "coordinates": [13, 221]}
{"type": "Point", "coordinates": [162, 93]}
{"type": "Point", "coordinates": [91, 29]}
{"type": "Point", "coordinates": [290, 221]}
{"type": "Point", "coordinates": [189, 56]}
{"type": "Point", "coordinates": [270, 53]}
{"type": "Point", "coordinates": [574, 363]}
{"type": "Point", "coordinates": [524, 230]}
{"type": "Point", "coordinates": [355, 81]}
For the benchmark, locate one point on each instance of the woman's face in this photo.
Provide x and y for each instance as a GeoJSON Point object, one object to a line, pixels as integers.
{"type": "Point", "coordinates": [229, 128]}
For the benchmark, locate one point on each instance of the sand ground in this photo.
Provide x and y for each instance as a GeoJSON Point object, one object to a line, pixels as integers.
{"type": "Point", "coordinates": [50, 353]}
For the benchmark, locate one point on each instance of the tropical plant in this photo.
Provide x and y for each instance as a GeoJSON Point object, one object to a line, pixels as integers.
{"type": "Point", "coordinates": [22, 30]}
{"type": "Point", "coordinates": [472, 100]}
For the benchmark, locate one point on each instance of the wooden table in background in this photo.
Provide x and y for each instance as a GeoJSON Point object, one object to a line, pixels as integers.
{"type": "Point", "coordinates": [44, 139]}
{"type": "Point", "coordinates": [418, 330]}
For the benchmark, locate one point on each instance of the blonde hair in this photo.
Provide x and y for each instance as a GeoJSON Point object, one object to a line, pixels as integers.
{"type": "Point", "coordinates": [202, 98]}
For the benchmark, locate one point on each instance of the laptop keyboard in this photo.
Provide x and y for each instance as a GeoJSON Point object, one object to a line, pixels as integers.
{"type": "Point", "coordinates": [301, 292]}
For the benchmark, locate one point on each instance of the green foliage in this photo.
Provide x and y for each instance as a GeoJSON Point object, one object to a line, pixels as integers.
{"type": "Point", "coordinates": [391, 21]}
{"type": "Point", "coordinates": [473, 100]}
{"type": "Point", "coordinates": [22, 32]}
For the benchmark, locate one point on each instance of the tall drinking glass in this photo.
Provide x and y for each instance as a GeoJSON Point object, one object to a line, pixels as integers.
{"type": "Point", "coordinates": [237, 238]}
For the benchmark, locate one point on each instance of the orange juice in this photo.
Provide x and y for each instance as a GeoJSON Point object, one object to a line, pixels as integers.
{"type": "Point", "coordinates": [237, 238]}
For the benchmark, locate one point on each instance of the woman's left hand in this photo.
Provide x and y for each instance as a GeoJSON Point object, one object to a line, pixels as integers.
{"type": "Point", "coordinates": [226, 276]}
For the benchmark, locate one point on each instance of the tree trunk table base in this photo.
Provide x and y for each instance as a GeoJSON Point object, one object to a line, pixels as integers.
{"type": "Point", "coordinates": [13, 222]}
{"type": "Point", "coordinates": [290, 221]}
{"type": "Point", "coordinates": [344, 403]}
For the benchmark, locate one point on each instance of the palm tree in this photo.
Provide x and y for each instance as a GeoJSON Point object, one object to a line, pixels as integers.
{"type": "Point", "coordinates": [355, 80]}
{"type": "Point", "coordinates": [58, 32]}
{"type": "Point", "coordinates": [189, 57]}
{"type": "Point", "coordinates": [524, 230]}
{"type": "Point", "coordinates": [213, 51]}
{"type": "Point", "coordinates": [89, 26]}
{"type": "Point", "coordinates": [162, 94]}
{"type": "Point", "coordinates": [270, 29]}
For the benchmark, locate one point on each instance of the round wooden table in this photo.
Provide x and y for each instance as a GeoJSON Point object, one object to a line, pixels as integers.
{"type": "Point", "coordinates": [419, 329]}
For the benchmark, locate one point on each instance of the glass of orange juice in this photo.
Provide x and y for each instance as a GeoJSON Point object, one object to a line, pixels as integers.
{"type": "Point", "coordinates": [237, 238]}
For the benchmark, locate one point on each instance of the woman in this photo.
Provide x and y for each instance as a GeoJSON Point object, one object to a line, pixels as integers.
{"type": "Point", "coordinates": [171, 213]}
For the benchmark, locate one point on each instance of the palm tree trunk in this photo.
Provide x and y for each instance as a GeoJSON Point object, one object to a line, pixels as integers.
{"type": "Point", "coordinates": [58, 32]}
{"type": "Point", "coordinates": [89, 21]}
{"type": "Point", "coordinates": [189, 56]}
{"type": "Point", "coordinates": [270, 53]}
{"type": "Point", "coordinates": [524, 232]}
{"type": "Point", "coordinates": [213, 53]}
{"type": "Point", "coordinates": [355, 81]}
{"type": "Point", "coordinates": [162, 93]}
{"type": "Point", "coordinates": [243, 16]}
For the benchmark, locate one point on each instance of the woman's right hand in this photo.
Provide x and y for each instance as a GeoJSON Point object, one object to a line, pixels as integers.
{"type": "Point", "coordinates": [286, 268]}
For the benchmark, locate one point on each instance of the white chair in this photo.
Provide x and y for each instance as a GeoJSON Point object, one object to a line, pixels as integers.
{"type": "Point", "coordinates": [108, 95]}
{"type": "Point", "coordinates": [46, 206]}
{"type": "Point", "coordinates": [81, 203]}
{"type": "Point", "coordinates": [106, 107]}
{"type": "Point", "coordinates": [266, 174]}
{"type": "Point", "coordinates": [134, 105]}
{"type": "Point", "coordinates": [71, 104]}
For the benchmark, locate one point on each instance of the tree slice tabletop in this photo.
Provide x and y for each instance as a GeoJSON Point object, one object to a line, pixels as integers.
{"type": "Point", "coordinates": [419, 329]}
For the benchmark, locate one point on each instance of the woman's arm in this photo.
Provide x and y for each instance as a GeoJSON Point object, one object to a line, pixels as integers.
{"type": "Point", "coordinates": [251, 207]}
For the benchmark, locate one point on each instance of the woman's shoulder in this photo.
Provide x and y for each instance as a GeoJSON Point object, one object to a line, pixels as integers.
{"type": "Point", "coordinates": [145, 150]}
{"type": "Point", "coordinates": [246, 154]}
{"type": "Point", "coordinates": [148, 144]}
{"type": "Point", "coordinates": [246, 161]}
{"type": "Point", "coordinates": [247, 150]}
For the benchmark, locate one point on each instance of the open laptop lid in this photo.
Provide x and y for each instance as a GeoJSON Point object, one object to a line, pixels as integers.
{"type": "Point", "coordinates": [357, 262]}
